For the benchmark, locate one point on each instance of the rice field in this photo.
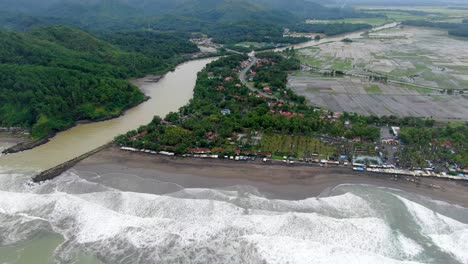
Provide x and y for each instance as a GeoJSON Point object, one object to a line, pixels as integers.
{"type": "Point", "coordinates": [420, 56]}
{"type": "Point", "coordinates": [422, 65]}
{"type": "Point", "coordinates": [374, 98]}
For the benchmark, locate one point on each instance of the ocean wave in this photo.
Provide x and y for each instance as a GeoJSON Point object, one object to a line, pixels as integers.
{"type": "Point", "coordinates": [356, 224]}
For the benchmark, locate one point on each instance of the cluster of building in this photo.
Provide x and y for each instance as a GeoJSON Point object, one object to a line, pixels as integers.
{"type": "Point", "coordinates": [330, 117]}
{"type": "Point", "coordinates": [147, 151]}
{"type": "Point", "coordinates": [390, 169]}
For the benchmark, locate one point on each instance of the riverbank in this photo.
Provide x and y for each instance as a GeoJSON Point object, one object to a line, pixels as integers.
{"type": "Point", "coordinates": [24, 143]}
{"type": "Point", "coordinates": [274, 180]}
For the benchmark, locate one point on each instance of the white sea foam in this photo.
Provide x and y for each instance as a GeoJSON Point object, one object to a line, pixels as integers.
{"type": "Point", "coordinates": [218, 226]}
{"type": "Point", "coordinates": [448, 234]}
{"type": "Point", "coordinates": [411, 247]}
{"type": "Point", "coordinates": [282, 249]}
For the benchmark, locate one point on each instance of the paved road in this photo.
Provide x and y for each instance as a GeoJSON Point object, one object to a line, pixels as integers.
{"type": "Point", "coordinates": [242, 77]}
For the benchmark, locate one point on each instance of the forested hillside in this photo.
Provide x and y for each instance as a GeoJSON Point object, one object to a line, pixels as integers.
{"type": "Point", "coordinates": [227, 21]}
{"type": "Point", "coordinates": [51, 77]}
{"type": "Point", "coordinates": [330, 29]}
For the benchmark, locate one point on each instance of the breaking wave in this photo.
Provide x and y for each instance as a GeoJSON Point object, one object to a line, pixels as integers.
{"type": "Point", "coordinates": [353, 224]}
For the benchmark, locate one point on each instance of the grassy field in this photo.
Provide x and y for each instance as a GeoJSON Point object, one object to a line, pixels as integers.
{"type": "Point", "coordinates": [311, 57]}
{"type": "Point", "coordinates": [286, 145]}
{"type": "Point", "coordinates": [372, 89]}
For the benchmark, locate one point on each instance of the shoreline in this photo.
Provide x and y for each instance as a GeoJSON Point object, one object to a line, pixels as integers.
{"type": "Point", "coordinates": [282, 181]}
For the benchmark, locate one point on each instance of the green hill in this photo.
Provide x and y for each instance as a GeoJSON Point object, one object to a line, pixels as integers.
{"type": "Point", "coordinates": [51, 77]}
{"type": "Point", "coordinates": [218, 18]}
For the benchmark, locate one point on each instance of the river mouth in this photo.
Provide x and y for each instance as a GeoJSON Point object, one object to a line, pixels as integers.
{"type": "Point", "coordinates": [174, 90]}
{"type": "Point", "coordinates": [90, 217]}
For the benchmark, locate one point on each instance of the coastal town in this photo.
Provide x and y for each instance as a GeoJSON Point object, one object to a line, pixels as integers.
{"type": "Point", "coordinates": [380, 153]}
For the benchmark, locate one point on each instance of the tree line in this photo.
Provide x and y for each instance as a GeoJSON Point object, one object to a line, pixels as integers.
{"type": "Point", "coordinates": [330, 29]}
{"type": "Point", "coordinates": [454, 29]}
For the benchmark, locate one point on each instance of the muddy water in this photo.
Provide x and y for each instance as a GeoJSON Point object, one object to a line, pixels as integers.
{"type": "Point", "coordinates": [169, 94]}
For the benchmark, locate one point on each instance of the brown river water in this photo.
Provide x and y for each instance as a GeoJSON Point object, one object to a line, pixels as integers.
{"type": "Point", "coordinates": [169, 94]}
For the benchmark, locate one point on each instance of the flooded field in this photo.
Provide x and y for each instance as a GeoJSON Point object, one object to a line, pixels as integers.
{"type": "Point", "coordinates": [427, 73]}
{"type": "Point", "coordinates": [371, 98]}
{"type": "Point", "coordinates": [415, 55]}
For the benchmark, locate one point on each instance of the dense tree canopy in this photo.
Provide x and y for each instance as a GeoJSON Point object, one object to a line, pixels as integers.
{"type": "Point", "coordinates": [227, 21]}
{"type": "Point", "coordinates": [223, 108]}
{"type": "Point", "coordinates": [443, 144]}
{"type": "Point", "coordinates": [51, 77]}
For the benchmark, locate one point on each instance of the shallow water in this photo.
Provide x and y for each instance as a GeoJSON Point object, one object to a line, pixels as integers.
{"type": "Point", "coordinates": [74, 220]}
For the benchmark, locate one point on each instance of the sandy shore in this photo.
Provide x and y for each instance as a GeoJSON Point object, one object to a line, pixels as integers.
{"type": "Point", "coordinates": [278, 181]}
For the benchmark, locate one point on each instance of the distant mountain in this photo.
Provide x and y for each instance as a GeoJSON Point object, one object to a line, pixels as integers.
{"type": "Point", "coordinates": [226, 21]}
{"type": "Point", "coordinates": [103, 14]}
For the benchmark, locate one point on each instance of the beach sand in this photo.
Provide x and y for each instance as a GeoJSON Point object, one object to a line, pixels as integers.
{"type": "Point", "coordinates": [134, 172]}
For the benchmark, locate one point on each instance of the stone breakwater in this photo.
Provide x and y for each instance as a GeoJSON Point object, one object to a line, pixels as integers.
{"type": "Point", "coordinates": [59, 169]}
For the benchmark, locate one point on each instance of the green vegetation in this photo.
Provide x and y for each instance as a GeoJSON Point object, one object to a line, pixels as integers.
{"type": "Point", "coordinates": [226, 21]}
{"type": "Point", "coordinates": [272, 72]}
{"type": "Point", "coordinates": [298, 146]}
{"type": "Point", "coordinates": [330, 29]}
{"type": "Point", "coordinates": [51, 77]}
{"type": "Point", "coordinates": [226, 116]}
{"type": "Point", "coordinates": [340, 65]}
{"type": "Point", "coordinates": [312, 57]}
{"type": "Point", "coordinates": [373, 89]}
{"type": "Point", "coordinates": [444, 145]}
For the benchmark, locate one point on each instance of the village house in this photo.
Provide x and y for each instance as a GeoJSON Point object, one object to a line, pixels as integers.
{"type": "Point", "coordinates": [199, 150]}
{"type": "Point", "coordinates": [225, 111]}
{"type": "Point", "coordinates": [135, 137]}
